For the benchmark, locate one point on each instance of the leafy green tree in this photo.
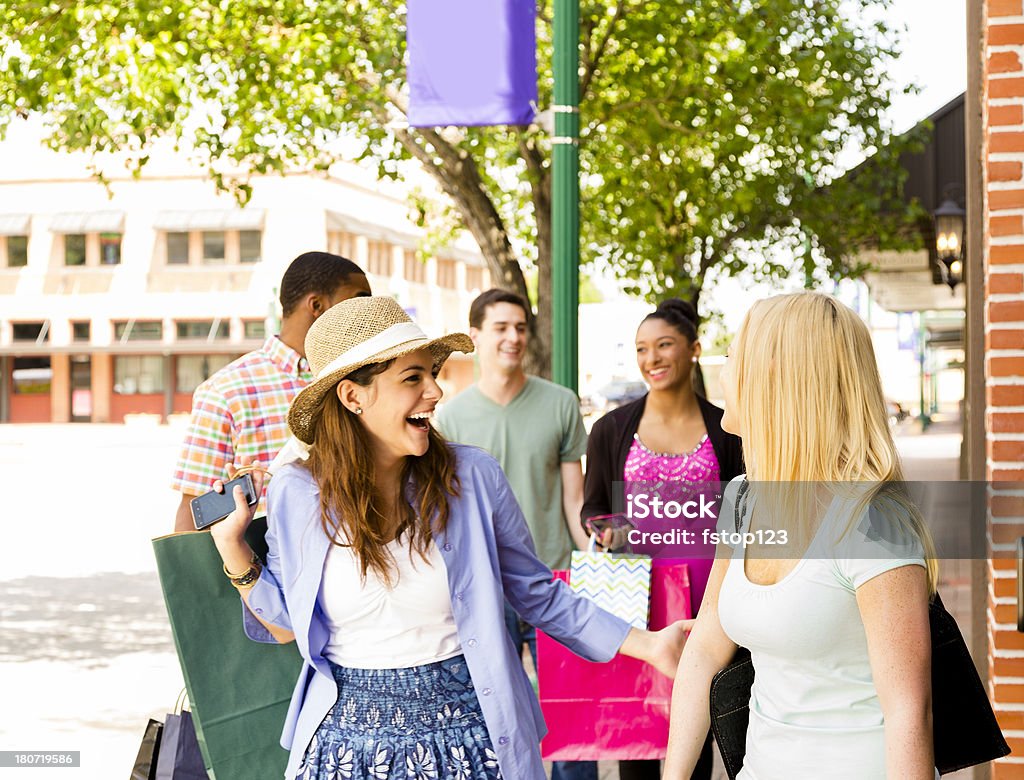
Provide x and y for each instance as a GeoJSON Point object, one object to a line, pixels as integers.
{"type": "Point", "coordinates": [710, 129]}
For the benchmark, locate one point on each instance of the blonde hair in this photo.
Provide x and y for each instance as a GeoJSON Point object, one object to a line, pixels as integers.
{"type": "Point", "coordinates": [811, 409]}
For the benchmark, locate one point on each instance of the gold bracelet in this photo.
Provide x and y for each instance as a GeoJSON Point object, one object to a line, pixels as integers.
{"type": "Point", "coordinates": [254, 562]}
{"type": "Point", "coordinates": [248, 579]}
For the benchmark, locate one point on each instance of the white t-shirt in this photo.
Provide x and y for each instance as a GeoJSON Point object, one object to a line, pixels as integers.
{"type": "Point", "coordinates": [814, 709]}
{"type": "Point", "coordinates": [374, 627]}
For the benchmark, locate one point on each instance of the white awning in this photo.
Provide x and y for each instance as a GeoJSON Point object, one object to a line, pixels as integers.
{"type": "Point", "coordinates": [346, 224]}
{"type": "Point", "coordinates": [14, 224]}
{"type": "Point", "coordinates": [88, 222]}
{"type": "Point", "coordinates": [221, 219]}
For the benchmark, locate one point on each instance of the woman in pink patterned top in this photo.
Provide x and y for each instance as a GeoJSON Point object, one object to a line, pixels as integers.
{"type": "Point", "coordinates": [670, 443]}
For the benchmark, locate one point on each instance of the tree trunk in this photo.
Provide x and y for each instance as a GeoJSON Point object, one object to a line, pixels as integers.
{"type": "Point", "coordinates": [540, 191]}
{"type": "Point", "coordinates": [457, 173]}
{"type": "Point", "coordinates": [706, 261]}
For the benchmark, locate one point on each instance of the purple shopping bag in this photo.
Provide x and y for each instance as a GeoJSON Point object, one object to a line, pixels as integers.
{"type": "Point", "coordinates": [179, 757]}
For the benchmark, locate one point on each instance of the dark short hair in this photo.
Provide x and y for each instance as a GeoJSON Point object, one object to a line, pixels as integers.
{"type": "Point", "coordinates": [680, 315]}
{"type": "Point", "coordinates": [478, 308]}
{"type": "Point", "coordinates": [314, 272]}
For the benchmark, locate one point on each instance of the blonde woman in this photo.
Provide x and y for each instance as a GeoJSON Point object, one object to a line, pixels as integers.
{"type": "Point", "coordinates": [829, 580]}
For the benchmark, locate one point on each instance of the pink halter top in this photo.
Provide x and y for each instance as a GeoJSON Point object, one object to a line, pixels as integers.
{"type": "Point", "coordinates": [675, 477]}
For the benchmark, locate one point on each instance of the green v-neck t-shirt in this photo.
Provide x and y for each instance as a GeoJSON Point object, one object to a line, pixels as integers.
{"type": "Point", "coordinates": [531, 437]}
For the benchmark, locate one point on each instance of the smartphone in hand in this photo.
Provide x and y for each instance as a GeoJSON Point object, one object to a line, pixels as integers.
{"type": "Point", "coordinates": [213, 507]}
{"type": "Point", "coordinates": [598, 524]}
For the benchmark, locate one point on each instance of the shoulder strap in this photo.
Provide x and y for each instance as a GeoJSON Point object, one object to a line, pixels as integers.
{"type": "Point", "coordinates": [741, 503]}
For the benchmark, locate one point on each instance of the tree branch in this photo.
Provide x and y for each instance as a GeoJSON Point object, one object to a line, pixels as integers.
{"type": "Point", "coordinates": [592, 60]}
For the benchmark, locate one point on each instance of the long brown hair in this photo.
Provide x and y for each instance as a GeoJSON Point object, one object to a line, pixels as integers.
{"type": "Point", "coordinates": [352, 509]}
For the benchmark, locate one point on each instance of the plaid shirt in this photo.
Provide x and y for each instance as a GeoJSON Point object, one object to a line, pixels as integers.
{"type": "Point", "coordinates": [240, 413]}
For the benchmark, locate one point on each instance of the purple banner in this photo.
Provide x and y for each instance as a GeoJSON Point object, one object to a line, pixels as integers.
{"type": "Point", "coordinates": [472, 62]}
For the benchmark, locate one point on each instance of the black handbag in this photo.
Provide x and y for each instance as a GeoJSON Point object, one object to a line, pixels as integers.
{"type": "Point", "coordinates": [964, 727]}
{"type": "Point", "coordinates": [145, 762]}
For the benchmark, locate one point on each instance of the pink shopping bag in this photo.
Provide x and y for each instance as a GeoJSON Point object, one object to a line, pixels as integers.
{"type": "Point", "coordinates": [617, 710]}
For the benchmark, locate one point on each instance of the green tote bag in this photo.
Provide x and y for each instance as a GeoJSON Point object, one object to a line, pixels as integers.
{"type": "Point", "coordinates": [239, 689]}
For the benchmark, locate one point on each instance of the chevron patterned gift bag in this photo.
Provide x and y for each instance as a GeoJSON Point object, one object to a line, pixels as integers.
{"type": "Point", "coordinates": [620, 584]}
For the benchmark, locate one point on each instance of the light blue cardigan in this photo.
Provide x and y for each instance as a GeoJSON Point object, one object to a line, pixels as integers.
{"type": "Point", "coordinates": [489, 557]}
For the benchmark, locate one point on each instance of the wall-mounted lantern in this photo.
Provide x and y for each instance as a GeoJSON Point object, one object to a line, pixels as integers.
{"type": "Point", "coordinates": [949, 241]}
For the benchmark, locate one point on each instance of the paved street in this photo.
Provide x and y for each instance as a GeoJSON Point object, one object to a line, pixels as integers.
{"type": "Point", "coordinates": [86, 656]}
{"type": "Point", "coordinates": [85, 653]}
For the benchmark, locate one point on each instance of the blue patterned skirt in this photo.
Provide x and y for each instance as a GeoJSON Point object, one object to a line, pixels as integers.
{"type": "Point", "coordinates": [418, 723]}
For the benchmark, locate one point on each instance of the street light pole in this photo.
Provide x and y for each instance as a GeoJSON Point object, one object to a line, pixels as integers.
{"type": "Point", "coordinates": [565, 218]}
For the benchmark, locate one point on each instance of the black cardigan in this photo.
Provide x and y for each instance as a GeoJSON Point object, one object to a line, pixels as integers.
{"type": "Point", "coordinates": [612, 436]}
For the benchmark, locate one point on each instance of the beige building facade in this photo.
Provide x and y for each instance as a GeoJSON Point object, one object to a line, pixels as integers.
{"type": "Point", "coordinates": [119, 298]}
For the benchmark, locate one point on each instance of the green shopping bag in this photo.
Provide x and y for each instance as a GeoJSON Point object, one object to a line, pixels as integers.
{"type": "Point", "coordinates": [239, 689]}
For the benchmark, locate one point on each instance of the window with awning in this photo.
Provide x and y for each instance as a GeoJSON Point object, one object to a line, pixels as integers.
{"type": "Point", "coordinates": [211, 237]}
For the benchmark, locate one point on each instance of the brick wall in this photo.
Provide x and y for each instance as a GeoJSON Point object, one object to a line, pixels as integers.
{"type": "Point", "coordinates": [1003, 225]}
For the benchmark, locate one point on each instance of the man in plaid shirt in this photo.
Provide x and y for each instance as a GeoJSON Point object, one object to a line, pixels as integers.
{"type": "Point", "coordinates": [240, 414]}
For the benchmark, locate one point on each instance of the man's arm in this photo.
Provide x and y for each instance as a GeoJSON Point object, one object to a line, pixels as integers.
{"type": "Point", "coordinates": [183, 518]}
{"type": "Point", "coordinates": [572, 501]}
{"type": "Point", "coordinates": [207, 453]}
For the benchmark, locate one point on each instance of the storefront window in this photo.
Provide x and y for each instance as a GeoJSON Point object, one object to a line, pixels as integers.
{"type": "Point", "coordinates": [31, 376]}
{"type": "Point", "coordinates": [193, 370]}
{"type": "Point", "coordinates": [143, 374]}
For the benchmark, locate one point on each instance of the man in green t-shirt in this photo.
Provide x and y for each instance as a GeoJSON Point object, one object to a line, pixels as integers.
{"type": "Point", "coordinates": [534, 429]}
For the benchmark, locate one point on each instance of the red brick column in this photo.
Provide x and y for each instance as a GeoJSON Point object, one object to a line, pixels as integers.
{"type": "Point", "coordinates": [1003, 225]}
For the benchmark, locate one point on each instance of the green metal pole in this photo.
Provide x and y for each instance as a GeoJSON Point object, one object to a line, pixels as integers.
{"type": "Point", "coordinates": [565, 217]}
{"type": "Point", "coordinates": [922, 335]}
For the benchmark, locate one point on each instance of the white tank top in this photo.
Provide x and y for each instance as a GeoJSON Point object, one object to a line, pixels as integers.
{"type": "Point", "coordinates": [374, 627]}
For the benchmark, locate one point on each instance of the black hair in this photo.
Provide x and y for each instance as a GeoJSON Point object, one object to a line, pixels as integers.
{"type": "Point", "coordinates": [478, 308]}
{"type": "Point", "coordinates": [680, 315]}
{"type": "Point", "coordinates": [314, 272]}
{"type": "Point", "coordinates": [683, 317]}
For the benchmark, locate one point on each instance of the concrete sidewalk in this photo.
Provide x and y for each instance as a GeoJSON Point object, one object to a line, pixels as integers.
{"type": "Point", "coordinates": [933, 454]}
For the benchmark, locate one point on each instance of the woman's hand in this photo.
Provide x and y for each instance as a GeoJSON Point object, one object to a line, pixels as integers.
{"type": "Point", "coordinates": [668, 646]}
{"type": "Point", "coordinates": [613, 538]}
{"type": "Point", "coordinates": [661, 649]}
{"type": "Point", "coordinates": [231, 529]}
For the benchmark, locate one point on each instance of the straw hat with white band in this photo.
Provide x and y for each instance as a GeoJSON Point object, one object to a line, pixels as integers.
{"type": "Point", "coordinates": [356, 333]}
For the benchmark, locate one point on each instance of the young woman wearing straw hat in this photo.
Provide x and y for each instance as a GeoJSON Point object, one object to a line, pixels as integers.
{"type": "Point", "coordinates": [391, 552]}
{"type": "Point", "coordinates": [828, 581]}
